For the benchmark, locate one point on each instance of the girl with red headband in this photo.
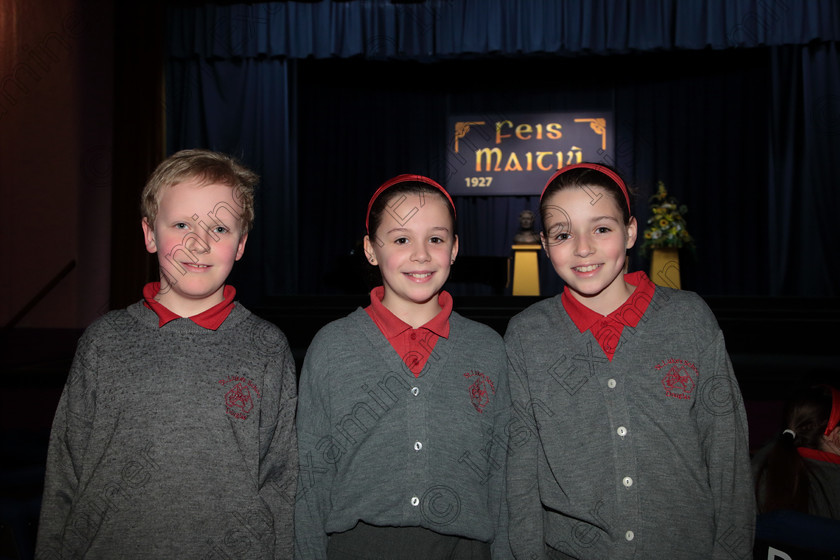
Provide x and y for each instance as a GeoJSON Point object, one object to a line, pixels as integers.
{"type": "Point", "coordinates": [800, 471]}
{"type": "Point", "coordinates": [403, 405]}
{"type": "Point", "coordinates": [638, 444]}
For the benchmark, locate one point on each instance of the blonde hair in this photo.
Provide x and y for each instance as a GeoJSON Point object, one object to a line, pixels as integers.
{"type": "Point", "coordinates": [207, 167]}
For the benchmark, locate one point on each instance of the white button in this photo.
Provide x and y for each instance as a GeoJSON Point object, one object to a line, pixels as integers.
{"type": "Point", "coordinates": [415, 501]}
{"type": "Point", "coordinates": [627, 481]}
{"type": "Point", "coordinates": [629, 535]}
{"type": "Point", "coordinates": [622, 431]}
{"type": "Point", "coordinates": [415, 391]}
{"type": "Point", "coordinates": [418, 446]}
{"type": "Point", "coordinates": [611, 383]}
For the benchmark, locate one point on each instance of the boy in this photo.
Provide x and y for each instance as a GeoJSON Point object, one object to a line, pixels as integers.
{"type": "Point", "coordinates": [174, 436]}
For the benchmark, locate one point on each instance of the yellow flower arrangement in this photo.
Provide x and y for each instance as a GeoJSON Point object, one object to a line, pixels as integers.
{"type": "Point", "coordinates": [666, 225]}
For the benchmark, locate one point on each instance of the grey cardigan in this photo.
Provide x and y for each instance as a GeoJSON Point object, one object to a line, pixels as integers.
{"type": "Point", "coordinates": [380, 445]}
{"type": "Point", "coordinates": [644, 456]}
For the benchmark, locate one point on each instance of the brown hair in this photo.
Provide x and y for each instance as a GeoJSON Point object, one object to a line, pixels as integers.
{"type": "Point", "coordinates": [782, 478]}
{"type": "Point", "coordinates": [408, 187]}
{"type": "Point", "coordinates": [586, 178]}
{"type": "Point", "coordinates": [208, 168]}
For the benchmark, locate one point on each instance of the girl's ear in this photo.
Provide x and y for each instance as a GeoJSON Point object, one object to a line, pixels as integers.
{"type": "Point", "coordinates": [370, 254]}
{"type": "Point", "coordinates": [454, 252]}
{"type": "Point", "coordinates": [632, 231]}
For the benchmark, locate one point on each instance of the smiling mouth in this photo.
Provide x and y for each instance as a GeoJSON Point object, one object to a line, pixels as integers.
{"type": "Point", "coordinates": [588, 268]}
{"type": "Point", "coordinates": [193, 265]}
{"type": "Point", "coordinates": [418, 275]}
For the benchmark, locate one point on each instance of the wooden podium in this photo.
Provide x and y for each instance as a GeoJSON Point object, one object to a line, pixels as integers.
{"type": "Point", "coordinates": [526, 272]}
{"type": "Point", "coordinates": [665, 267]}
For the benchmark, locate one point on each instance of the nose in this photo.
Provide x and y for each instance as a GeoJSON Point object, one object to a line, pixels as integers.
{"type": "Point", "coordinates": [584, 246]}
{"type": "Point", "coordinates": [198, 243]}
{"type": "Point", "coordinates": [420, 253]}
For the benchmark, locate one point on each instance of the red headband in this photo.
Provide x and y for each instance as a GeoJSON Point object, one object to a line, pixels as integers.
{"type": "Point", "coordinates": [834, 419]}
{"type": "Point", "coordinates": [605, 170]}
{"type": "Point", "coordinates": [403, 179]}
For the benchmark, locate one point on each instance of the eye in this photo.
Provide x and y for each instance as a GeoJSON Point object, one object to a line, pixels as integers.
{"type": "Point", "coordinates": [602, 229]}
{"type": "Point", "coordinates": [563, 236]}
{"type": "Point", "coordinates": [180, 225]}
{"type": "Point", "coordinates": [437, 239]}
{"type": "Point", "coordinates": [220, 229]}
{"type": "Point", "coordinates": [401, 240]}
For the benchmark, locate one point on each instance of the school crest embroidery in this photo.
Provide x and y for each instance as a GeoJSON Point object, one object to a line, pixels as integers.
{"type": "Point", "coordinates": [680, 380]}
{"type": "Point", "coordinates": [481, 389]}
{"type": "Point", "coordinates": [239, 399]}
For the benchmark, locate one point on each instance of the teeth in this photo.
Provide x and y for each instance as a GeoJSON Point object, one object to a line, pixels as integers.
{"type": "Point", "coordinates": [419, 275]}
{"type": "Point", "coordinates": [589, 268]}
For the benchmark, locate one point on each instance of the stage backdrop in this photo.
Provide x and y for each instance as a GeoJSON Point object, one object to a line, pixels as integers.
{"type": "Point", "coordinates": [733, 104]}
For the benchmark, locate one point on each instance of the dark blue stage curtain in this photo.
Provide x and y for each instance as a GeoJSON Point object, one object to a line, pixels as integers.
{"type": "Point", "coordinates": [242, 107]}
{"type": "Point", "coordinates": [733, 104]}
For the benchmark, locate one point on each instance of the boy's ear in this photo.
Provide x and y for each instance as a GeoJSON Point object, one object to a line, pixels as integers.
{"type": "Point", "coordinates": [544, 242]}
{"type": "Point", "coordinates": [240, 250]}
{"type": "Point", "coordinates": [148, 236]}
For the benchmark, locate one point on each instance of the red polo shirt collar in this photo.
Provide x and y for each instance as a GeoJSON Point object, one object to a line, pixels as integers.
{"type": "Point", "coordinates": [210, 319]}
{"type": "Point", "coordinates": [818, 455]}
{"type": "Point", "coordinates": [607, 329]}
{"type": "Point", "coordinates": [413, 345]}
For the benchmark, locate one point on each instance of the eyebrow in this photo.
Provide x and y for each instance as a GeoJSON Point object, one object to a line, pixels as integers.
{"type": "Point", "coordinates": [565, 224]}
{"type": "Point", "coordinates": [402, 229]}
{"type": "Point", "coordinates": [599, 218]}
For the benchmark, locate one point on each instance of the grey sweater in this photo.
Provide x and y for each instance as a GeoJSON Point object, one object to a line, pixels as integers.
{"type": "Point", "coordinates": [173, 442]}
{"type": "Point", "coordinates": [645, 456]}
{"type": "Point", "coordinates": [381, 446]}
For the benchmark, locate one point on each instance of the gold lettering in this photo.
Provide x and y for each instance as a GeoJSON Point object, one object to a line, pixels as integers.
{"type": "Point", "coordinates": [540, 156]}
{"type": "Point", "coordinates": [523, 131]}
{"type": "Point", "coordinates": [513, 163]}
{"type": "Point", "coordinates": [499, 134]}
{"type": "Point", "coordinates": [489, 154]}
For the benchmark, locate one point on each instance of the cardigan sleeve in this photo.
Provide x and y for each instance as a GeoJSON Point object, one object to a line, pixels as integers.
{"type": "Point", "coordinates": [313, 491]}
{"type": "Point", "coordinates": [500, 547]}
{"type": "Point", "coordinates": [526, 531]}
{"type": "Point", "coordinates": [69, 440]}
{"type": "Point", "coordinates": [278, 469]}
{"type": "Point", "coordinates": [723, 429]}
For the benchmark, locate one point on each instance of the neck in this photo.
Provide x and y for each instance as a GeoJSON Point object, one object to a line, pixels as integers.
{"type": "Point", "coordinates": [188, 307]}
{"type": "Point", "coordinates": [606, 302]}
{"type": "Point", "coordinates": [415, 314]}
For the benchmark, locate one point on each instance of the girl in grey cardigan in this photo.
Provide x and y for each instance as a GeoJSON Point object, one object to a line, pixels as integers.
{"type": "Point", "coordinates": [403, 405]}
{"type": "Point", "coordinates": [631, 435]}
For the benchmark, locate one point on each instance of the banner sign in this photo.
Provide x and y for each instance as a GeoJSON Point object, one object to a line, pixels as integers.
{"type": "Point", "coordinates": [516, 154]}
